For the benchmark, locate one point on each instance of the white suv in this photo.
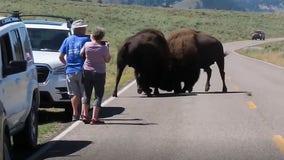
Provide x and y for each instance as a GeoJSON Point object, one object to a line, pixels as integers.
{"type": "Point", "coordinates": [46, 38]}
{"type": "Point", "coordinates": [19, 92]}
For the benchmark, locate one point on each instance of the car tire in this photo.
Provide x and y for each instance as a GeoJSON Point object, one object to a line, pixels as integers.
{"type": "Point", "coordinates": [27, 138]}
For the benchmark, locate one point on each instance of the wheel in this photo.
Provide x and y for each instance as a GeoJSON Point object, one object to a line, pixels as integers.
{"type": "Point", "coordinates": [27, 138]}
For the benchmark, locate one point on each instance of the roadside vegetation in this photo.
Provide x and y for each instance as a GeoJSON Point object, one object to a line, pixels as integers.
{"type": "Point", "coordinates": [269, 52]}
{"type": "Point", "coordinates": [121, 21]}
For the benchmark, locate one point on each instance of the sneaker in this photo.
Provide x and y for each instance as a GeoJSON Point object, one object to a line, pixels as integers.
{"type": "Point", "coordinates": [93, 121]}
{"type": "Point", "coordinates": [75, 118]}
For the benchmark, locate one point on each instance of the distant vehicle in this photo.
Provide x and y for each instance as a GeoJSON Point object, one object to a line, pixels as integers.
{"type": "Point", "coordinates": [19, 96]}
{"type": "Point", "coordinates": [46, 38]}
{"type": "Point", "coordinates": [258, 35]}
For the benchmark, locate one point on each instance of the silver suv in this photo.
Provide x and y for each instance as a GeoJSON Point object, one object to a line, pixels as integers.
{"type": "Point", "coordinates": [46, 38]}
{"type": "Point", "coordinates": [19, 92]}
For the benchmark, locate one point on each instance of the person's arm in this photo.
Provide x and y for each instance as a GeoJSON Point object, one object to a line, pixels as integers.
{"type": "Point", "coordinates": [82, 52]}
{"type": "Point", "coordinates": [107, 58]}
{"type": "Point", "coordinates": [61, 58]}
{"type": "Point", "coordinates": [62, 50]}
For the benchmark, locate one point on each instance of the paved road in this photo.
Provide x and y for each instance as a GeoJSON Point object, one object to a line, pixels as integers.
{"type": "Point", "coordinates": [247, 123]}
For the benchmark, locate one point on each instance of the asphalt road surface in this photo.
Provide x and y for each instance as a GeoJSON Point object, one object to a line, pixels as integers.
{"type": "Point", "coordinates": [247, 123]}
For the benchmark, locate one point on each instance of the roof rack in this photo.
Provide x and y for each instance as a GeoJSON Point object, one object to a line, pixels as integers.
{"type": "Point", "coordinates": [11, 19]}
{"type": "Point", "coordinates": [18, 15]}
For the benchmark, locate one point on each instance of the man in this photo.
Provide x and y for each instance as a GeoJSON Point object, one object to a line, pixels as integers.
{"type": "Point", "coordinates": [70, 55]}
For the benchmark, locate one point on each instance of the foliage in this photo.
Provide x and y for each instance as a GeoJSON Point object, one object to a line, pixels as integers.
{"type": "Point", "coordinates": [269, 52]}
{"type": "Point", "coordinates": [241, 5]}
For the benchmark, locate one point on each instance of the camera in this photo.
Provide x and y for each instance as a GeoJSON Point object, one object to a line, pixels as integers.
{"type": "Point", "coordinates": [104, 43]}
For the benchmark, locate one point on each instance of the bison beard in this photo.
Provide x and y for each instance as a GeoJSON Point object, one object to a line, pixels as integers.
{"type": "Point", "coordinates": [147, 52]}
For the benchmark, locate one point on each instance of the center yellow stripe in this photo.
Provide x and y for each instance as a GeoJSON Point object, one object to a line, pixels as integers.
{"type": "Point", "coordinates": [251, 105]}
{"type": "Point", "coordinates": [279, 142]}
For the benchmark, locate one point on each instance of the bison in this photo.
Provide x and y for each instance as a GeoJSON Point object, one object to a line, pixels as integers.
{"type": "Point", "coordinates": [184, 60]}
{"type": "Point", "coordinates": [147, 52]}
{"type": "Point", "coordinates": [201, 50]}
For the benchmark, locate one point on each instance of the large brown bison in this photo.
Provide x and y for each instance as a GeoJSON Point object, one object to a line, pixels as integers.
{"type": "Point", "coordinates": [147, 52]}
{"type": "Point", "coordinates": [202, 50]}
{"type": "Point", "coordinates": [184, 60]}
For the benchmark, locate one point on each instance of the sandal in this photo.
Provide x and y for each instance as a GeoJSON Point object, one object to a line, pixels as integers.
{"type": "Point", "coordinates": [85, 119]}
{"type": "Point", "coordinates": [93, 121]}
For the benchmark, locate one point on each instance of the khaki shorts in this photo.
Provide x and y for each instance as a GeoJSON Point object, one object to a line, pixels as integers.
{"type": "Point", "coordinates": [75, 85]}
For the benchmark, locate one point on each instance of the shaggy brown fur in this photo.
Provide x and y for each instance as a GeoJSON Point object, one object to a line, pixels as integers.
{"type": "Point", "coordinates": [184, 59]}
{"type": "Point", "coordinates": [201, 49]}
{"type": "Point", "coordinates": [147, 52]}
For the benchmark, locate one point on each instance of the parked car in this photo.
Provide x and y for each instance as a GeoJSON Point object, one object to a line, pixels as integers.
{"type": "Point", "coordinates": [258, 35]}
{"type": "Point", "coordinates": [19, 96]}
{"type": "Point", "coordinates": [4, 145]}
{"type": "Point", "coordinates": [46, 38]}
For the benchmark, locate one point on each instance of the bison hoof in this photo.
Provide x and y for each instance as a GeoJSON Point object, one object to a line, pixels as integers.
{"type": "Point", "coordinates": [207, 87]}
{"type": "Point", "coordinates": [149, 95]}
{"type": "Point", "coordinates": [139, 90]}
{"type": "Point", "coordinates": [114, 95]}
{"type": "Point", "coordinates": [225, 89]}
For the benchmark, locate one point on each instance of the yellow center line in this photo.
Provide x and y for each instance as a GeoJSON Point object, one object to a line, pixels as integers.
{"type": "Point", "coordinates": [228, 77]}
{"type": "Point", "coordinates": [279, 142]}
{"type": "Point", "coordinates": [251, 105]}
{"type": "Point", "coordinates": [236, 88]}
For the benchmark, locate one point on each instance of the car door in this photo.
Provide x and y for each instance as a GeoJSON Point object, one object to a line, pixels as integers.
{"type": "Point", "coordinates": [14, 84]}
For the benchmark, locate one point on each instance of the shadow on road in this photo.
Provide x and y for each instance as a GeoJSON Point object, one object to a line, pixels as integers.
{"type": "Point", "coordinates": [186, 94]}
{"type": "Point", "coordinates": [107, 111]}
{"type": "Point", "coordinates": [63, 149]}
{"type": "Point", "coordinates": [229, 92]}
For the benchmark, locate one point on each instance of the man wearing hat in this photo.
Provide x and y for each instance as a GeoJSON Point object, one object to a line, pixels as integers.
{"type": "Point", "coordinates": [70, 56]}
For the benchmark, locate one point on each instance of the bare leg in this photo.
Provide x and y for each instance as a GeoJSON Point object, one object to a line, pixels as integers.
{"type": "Point", "coordinates": [75, 102]}
{"type": "Point", "coordinates": [95, 116]}
{"type": "Point", "coordinates": [85, 110]}
{"type": "Point", "coordinates": [96, 111]}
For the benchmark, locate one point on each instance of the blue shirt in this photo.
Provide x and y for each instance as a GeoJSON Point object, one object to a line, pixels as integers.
{"type": "Point", "coordinates": [71, 47]}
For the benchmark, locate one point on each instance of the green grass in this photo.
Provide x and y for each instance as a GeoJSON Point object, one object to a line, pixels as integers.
{"type": "Point", "coordinates": [269, 52]}
{"type": "Point", "coordinates": [121, 21]}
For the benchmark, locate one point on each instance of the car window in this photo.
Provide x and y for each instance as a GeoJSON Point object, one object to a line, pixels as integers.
{"type": "Point", "coordinates": [6, 52]}
{"type": "Point", "coordinates": [47, 39]}
{"type": "Point", "coordinates": [26, 43]}
{"type": "Point", "coordinates": [16, 45]}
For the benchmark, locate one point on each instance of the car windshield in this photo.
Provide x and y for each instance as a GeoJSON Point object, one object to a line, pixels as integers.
{"type": "Point", "coordinates": [47, 39]}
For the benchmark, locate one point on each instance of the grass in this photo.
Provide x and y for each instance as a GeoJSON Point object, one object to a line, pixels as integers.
{"type": "Point", "coordinates": [269, 52]}
{"type": "Point", "coordinates": [121, 21]}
